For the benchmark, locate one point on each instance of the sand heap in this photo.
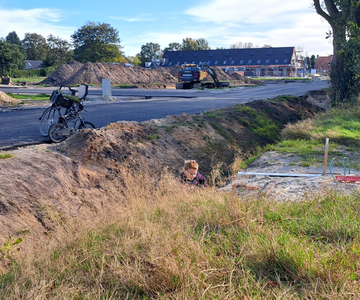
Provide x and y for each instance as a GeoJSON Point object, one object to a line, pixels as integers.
{"type": "Point", "coordinates": [93, 73]}
{"type": "Point", "coordinates": [7, 100]}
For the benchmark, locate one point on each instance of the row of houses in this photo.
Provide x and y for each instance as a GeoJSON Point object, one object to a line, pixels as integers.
{"type": "Point", "coordinates": [257, 62]}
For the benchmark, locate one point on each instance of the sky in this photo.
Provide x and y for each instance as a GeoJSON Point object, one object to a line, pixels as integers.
{"type": "Point", "coordinates": [221, 23]}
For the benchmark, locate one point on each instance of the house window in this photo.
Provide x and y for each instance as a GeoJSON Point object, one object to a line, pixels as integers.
{"type": "Point", "coordinates": [216, 62]}
{"type": "Point", "coordinates": [211, 54]}
{"type": "Point", "coordinates": [227, 54]}
{"type": "Point", "coordinates": [252, 53]}
{"type": "Point", "coordinates": [209, 62]}
{"type": "Point", "coordinates": [224, 63]}
{"type": "Point", "coordinates": [259, 61]}
{"type": "Point", "coordinates": [181, 55]}
{"type": "Point", "coordinates": [269, 52]}
{"type": "Point", "coordinates": [241, 62]}
{"type": "Point", "coordinates": [200, 63]}
{"type": "Point", "coordinates": [249, 62]}
{"type": "Point", "coordinates": [193, 62]}
{"type": "Point", "coordinates": [185, 62]}
{"type": "Point", "coordinates": [178, 63]}
{"type": "Point", "coordinates": [267, 61]}
{"type": "Point", "coordinates": [170, 63]}
{"type": "Point", "coordinates": [233, 62]}
{"type": "Point", "coordinates": [196, 54]}
{"type": "Point", "coordinates": [276, 61]}
{"type": "Point", "coordinates": [287, 52]}
{"type": "Point", "coordinates": [285, 61]}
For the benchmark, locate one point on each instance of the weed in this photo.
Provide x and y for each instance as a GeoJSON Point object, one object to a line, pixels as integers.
{"type": "Point", "coordinates": [6, 155]}
{"type": "Point", "coordinates": [7, 250]}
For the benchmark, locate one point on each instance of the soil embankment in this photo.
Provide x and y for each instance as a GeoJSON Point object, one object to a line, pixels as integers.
{"type": "Point", "coordinates": [120, 74]}
{"type": "Point", "coordinates": [45, 185]}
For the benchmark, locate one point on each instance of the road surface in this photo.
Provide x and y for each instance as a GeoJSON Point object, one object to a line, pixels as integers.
{"type": "Point", "coordinates": [20, 126]}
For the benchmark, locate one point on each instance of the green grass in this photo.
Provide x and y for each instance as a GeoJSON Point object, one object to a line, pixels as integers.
{"type": "Point", "coordinates": [6, 155]}
{"type": "Point", "coordinates": [126, 86]}
{"type": "Point", "coordinates": [203, 245]}
{"type": "Point", "coordinates": [38, 97]}
{"type": "Point", "coordinates": [307, 138]}
{"type": "Point", "coordinates": [26, 79]}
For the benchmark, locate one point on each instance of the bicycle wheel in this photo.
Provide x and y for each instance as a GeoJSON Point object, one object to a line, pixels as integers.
{"type": "Point", "coordinates": [86, 124]}
{"type": "Point", "coordinates": [50, 116]}
{"type": "Point", "coordinates": [55, 134]}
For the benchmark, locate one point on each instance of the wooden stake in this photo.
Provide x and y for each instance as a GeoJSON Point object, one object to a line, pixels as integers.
{"type": "Point", "coordinates": [326, 155]}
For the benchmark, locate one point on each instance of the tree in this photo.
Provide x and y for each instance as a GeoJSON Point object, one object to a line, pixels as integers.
{"type": "Point", "coordinates": [240, 45]}
{"type": "Point", "coordinates": [344, 18]}
{"type": "Point", "coordinates": [12, 38]}
{"type": "Point", "coordinates": [60, 52]}
{"type": "Point", "coordinates": [149, 51]}
{"type": "Point", "coordinates": [35, 45]}
{"type": "Point", "coordinates": [134, 60]}
{"type": "Point", "coordinates": [312, 62]}
{"type": "Point", "coordinates": [10, 58]}
{"type": "Point", "coordinates": [191, 44]}
{"type": "Point", "coordinates": [96, 42]}
{"type": "Point", "coordinates": [173, 47]}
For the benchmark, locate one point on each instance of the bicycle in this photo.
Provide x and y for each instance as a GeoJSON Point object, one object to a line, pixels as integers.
{"type": "Point", "coordinates": [71, 118]}
{"type": "Point", "coordinates": [52, 114]}
{"type": "Point", "coordinates": [69, 123]}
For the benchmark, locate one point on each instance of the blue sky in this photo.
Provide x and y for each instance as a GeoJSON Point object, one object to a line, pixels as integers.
{"type": "Point", "coordinates": [277, 23]}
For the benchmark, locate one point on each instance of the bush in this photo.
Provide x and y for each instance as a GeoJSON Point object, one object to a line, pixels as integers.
{"type": "Point", "coordinates": [43, 72]}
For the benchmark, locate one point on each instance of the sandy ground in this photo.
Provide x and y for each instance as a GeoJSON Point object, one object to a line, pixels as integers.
{"type": "Point", "coordinates": [288, 186]}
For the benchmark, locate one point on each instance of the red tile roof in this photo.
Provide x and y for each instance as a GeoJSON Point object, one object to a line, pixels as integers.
{"type": "Point", "coordinates": [323, 64]}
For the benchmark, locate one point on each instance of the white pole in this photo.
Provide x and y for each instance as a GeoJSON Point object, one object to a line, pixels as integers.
{"type": "Point", "coordinates": [326, 155]}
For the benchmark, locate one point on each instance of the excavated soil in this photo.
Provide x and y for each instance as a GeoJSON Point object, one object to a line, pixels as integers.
{"type": "Point", "coordinates": [76, 73]}
{"type": "Point", "coordinates": [44, 186]}
{"type": "Point", "coordinates": [6, 100]}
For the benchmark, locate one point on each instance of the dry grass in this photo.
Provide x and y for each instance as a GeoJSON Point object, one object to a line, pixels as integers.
{"type": "Point", "coordinates": [170, 241]}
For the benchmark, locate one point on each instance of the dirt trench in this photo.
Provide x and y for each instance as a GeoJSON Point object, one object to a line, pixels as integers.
{"type": "Point", "coordinates": [44, 186]}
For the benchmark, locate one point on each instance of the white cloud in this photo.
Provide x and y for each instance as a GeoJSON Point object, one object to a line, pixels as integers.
{"type": "Point", "coordinates": [38, 20]}
{"type": "Point", "coordinates": [136, 19]}
{"type": "Point", "coordinates": [245, 11]}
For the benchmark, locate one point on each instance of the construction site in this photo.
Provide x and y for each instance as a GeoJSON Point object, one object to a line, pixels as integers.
{"type": "Point", "coordinates": [124, 76]}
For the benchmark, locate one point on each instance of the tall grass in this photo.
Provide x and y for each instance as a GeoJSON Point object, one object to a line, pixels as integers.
{"type": "Point", "coordinates": [175, 242]}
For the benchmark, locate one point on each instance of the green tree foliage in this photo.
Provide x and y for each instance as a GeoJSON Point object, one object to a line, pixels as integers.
{"type": "Point", "coordinates": [134, 60]}
{"type": "Point", "coordinates": [60, 52]}
{"type": "Point", "coordinates": [12, 38]}
{"type": "Point", "coordinates": [344, 19]}
{"type": "Point", "coordinates": [149, 51]}
{"type": "Point", "coordinates": [35, 45]}
{"type": "Point", "coordinates": [96, 42]}
{"type": "Point", "coordinates": [173, 47]}
{"type": "Point", "coordinates": [10, 58]}
{"type": "Point", "coordinates": [192, 44]}
{"type": "Point", "coordinates": [312, 61]}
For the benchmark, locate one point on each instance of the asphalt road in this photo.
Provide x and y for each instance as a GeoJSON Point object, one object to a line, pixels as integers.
{"type": "Point", "coordinates": [21, 126]}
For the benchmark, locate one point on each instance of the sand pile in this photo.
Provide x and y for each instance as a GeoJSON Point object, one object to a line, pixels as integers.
{"type": "Point", "coordinates": [7, 100]}
{"type": "Point", "coordinates": [120, 74]}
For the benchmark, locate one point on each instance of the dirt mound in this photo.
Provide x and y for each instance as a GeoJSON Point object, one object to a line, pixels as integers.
{"type": "Point", "coordinates": [120, 74]}
{"type": "Point", "coordinates": [62, 73]}
{"type": "Point", "coordinates": [7, 100]}
{"type": "Point", "coordinates": [44, 185]}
